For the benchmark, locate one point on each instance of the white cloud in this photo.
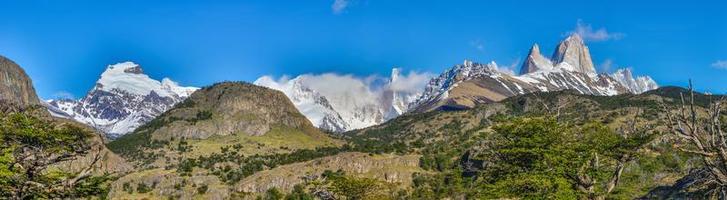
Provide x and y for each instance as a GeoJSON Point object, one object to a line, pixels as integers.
{"type": "Point", "coordinates": [411, 82]}
{"type": "Point", "coordinates": [606, 65]}
{"type": "Point", "coordinates": [510, 69]}
{"type": "Point", "coordinates": [588, 33]}
{"type": "Point", "coordinates": [720, 64]}
{"type": "Point", "coordinates": [339, 6]}
{"type": "Point", "coordinates": [478, 44]}
{"type": "Point", "coordinates": [63, 95]}
{"type": "Point", "coordinates": [347, 88]}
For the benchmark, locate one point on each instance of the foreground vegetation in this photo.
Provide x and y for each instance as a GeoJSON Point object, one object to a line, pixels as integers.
{"type": "Point", "coordinates": [555, 145]}
{"type": "Point", "coordinates": [32, 150]}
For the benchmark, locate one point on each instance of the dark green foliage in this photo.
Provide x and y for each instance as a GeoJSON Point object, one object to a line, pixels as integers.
{"type": "Point", "coordinates": [202, 189]}
{"type": "Point", "coordinates": [187, 103]}
{"type": "Point", "coordinates": [251, 164]}
{"type": "Point", "coordinates": [675, 93]}
{"type": "Point", "coordinates": [127, 187]}
{"type": "Point", "coordinates": [186, 166]}
{"type": "Point", "coordinates": [273, 194]}
{"type": "Point", "coordinates": [131, 145]}
{"type": "Point", "coordinates": [183, 146]}
{"type": "Point", "coordinates": [539, 157]}
{"type": "Point", "coordinates": [299, 193]}
{"type": "Point", "coordinates": [31, 146]}
{"type": "Point", "coordinates": [143, 188]}
{"type": "Point", "coordinates": [203, 115]}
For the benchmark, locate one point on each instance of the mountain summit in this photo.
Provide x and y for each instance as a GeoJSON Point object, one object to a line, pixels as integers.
{"type": "Point", "coordinates": [572, 53]}
{"type": "Point", "coordinates": [122, 99]}
{"type": "Point", "coordinates": [535, 61]}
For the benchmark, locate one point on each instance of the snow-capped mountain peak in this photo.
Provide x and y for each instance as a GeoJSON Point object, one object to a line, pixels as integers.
{"type": "Point", "coordinates": [635, 85]}
{"type": "Point", "coordinates": [122, 99]}
{"type": "Point", "coordinates": [129, 77]}
{"type": "Point", "coordinates": [351, 104]}
{"type": "Point", "coordinates": [570, 67]}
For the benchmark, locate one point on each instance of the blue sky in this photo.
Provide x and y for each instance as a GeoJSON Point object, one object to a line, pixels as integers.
{"type": "Point", "coordinates": [65, 45]}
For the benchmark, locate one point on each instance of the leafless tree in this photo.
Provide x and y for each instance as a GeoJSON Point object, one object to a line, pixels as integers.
{"type": "Point", "coordinates": [704, 135]}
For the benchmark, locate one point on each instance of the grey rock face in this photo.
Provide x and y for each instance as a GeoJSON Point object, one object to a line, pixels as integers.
{"type": "Point", "coordinates": [574, 52]}
{"type": "Point", "coordinates": [15, 86]}
{"type": "Point", "coordinates": [535, 61]}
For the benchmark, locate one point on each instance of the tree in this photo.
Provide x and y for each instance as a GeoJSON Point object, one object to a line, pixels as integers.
{"type": "Point", "coordinates": [299, 193]}
{"type": "Point", "coordinates": [704, 136]}
{"type": "Point", "coordinates": [274, 194]}
{"type": "Point", "coordinates": [31, 150]}
{"type": "Point", "coordinates": [542, 158]}
{"type": "Point", "coordinates": [354, 188]}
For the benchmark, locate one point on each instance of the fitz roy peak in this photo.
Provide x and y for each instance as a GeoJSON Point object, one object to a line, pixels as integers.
{"type": "Point", "coordinates": [571, 55]}
{"type": "Point", "coordinates": [570, 67]}
{"type": "Point", "coordinates": [123, 99]}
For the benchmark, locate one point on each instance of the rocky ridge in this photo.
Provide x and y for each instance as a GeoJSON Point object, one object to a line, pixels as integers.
{"type": "Point", "coordinates": [468, 84]}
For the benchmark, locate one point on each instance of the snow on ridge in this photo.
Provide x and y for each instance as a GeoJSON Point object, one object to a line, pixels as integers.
{"type": "Point", "coordinates": [343, 102]}
{"type": "Point", "coordinates": [123, 99]}
{"type": "Point", "coordinates": [635, 85]}
{"type": "Point", "coordinates": [128, 77]}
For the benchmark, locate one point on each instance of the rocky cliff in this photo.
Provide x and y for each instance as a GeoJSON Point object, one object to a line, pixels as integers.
{"type": "Point", "coordinates": [15, 86]}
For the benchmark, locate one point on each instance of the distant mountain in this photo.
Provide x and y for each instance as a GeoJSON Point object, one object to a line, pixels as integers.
{"type": "Point", "coordinates": [636, 85]}
{"type": "Point", "coordinates": [347, 110]}
{"type": "Point", "coordinates": [570, 67]}
{"type": "Point", "coordinates": [122, 99]}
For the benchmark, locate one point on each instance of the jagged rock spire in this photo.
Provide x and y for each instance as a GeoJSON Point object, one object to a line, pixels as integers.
{"type": "Point", "coordinates": [535, 61]}
{"type": "Point", "coordinates": [574, 52]}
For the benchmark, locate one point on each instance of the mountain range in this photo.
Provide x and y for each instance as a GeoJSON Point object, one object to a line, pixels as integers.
{"type": "Point", "coordinates": [236, 140]}
{"type": "Point", "coordinates": [570, 67]}
{"type": "Point", "coordinates": [125, 98]}
{"type": "Point", "coordinates": [349, 108]}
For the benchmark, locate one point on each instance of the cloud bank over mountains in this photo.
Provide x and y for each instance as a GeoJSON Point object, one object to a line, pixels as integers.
{"type": "Point", "coordinates": [589, 34]}
{"type": "Point", "coordinates": [369, 89]}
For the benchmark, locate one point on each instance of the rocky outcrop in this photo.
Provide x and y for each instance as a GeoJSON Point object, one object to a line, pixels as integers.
{"type": "Point", "coordinates": [15, 86]}
{"type": "Point", "coordinates": [108, 163]}
{"type": "Point", "coordinates": [229, 108]}
{"type": "Point", "coordinates": [389, 168]}
{"type": "Point", "coordinates": [164, 184]}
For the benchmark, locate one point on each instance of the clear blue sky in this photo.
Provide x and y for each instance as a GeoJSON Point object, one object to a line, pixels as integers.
{"type": "Point", "coordinates": [65, 45]}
